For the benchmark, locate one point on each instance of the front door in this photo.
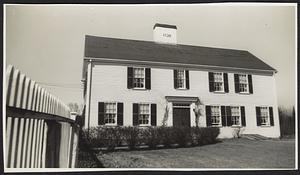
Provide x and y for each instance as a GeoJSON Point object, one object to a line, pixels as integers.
{"type": "Point", "coordinates": [181, 115]}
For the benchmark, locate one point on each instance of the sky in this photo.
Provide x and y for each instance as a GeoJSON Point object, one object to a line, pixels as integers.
{"type": "Point", "coordinates": [46, 42]}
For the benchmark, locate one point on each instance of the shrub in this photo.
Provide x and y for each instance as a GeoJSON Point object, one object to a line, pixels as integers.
{"type": "Point", "coordinates": [110, 137]}
{"type": "Point", "coordinates": [196, 134]}
{"type": "Point", "coordinates": [287, 121]}
{"type": "Point", "coordinates": [166, 136]}
{"type": "Point", "coordinates": [131, 136]}
{"type": "Point", "coordinates": [151, 136]}
{"type": "Point", "coordinates": [210, 134]}
{"type": "Point", "coordinates": [182, 136]}
{"type": "Point", "coordinates": [202, 136]}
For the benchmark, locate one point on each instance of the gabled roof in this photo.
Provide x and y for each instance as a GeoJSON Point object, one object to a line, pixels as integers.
{"type": "Point", "coordinates": [148, 51]}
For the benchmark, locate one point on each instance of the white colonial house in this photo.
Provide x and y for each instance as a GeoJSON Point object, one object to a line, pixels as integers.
{"type": "Point", "coordinates": [160, 82]}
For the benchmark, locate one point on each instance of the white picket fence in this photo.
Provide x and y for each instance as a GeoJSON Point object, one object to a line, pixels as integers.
{"type": "Point", "coordinates": [39, 130]}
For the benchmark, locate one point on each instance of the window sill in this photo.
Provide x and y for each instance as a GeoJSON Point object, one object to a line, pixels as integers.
{"type": "Point", "coordinates": [244, 93]}
{"type": "Point", "coordinates": [144, 125]}
{"type": "Point", "coordinates": [140, 89]}
{"type": "Point", "coordinates": [181, 89]}
{"type": "Point", "coordinates": [265, 126]}
{"type": "Point", "coordinates": [216, 126]}
{"type": "Point", "coordinates": [236, 126]}
{"type": "Point", "coordinates": [219, 92]}
{"type": "Point", "coordinates": [110, 124]}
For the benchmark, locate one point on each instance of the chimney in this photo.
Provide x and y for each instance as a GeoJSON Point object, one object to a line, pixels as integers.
{"type": "Point", "coordinates": [164, 33]}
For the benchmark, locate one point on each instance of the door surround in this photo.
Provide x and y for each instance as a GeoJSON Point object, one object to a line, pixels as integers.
{"type": "Point", "coordinates": [184, 103]}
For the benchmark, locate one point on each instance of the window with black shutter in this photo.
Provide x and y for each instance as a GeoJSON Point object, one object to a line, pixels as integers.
{"type": "Point", "coordinates": [264, 116]}
{"type": "Point", "coordinates": [181, 79]}
{"type": "Point", "coordinates": [243, 83]}
{"type": "Point", "coordinates": [138, 78]}
{"type": "Point", "coordinates": [218, 82]}
{"type": "Point", "coordinates": [215, 115]}
{"type": "Point", "coordinates": [109, 112]}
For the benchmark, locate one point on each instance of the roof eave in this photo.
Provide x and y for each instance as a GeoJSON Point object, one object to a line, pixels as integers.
{"type": "Point", "coordinates": [180, 65]}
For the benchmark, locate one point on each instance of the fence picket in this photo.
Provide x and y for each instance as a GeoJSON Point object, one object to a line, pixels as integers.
{"type": "Point", "coordinates": [20, 90]}
{"type": "Point", "coordinates": [25, 147]}
{"type": "Point", "coordinates": [9, 124]}
{"type": "Point", "coordinates": [43, 158]}
{"type": "Point", "coordinates": [26, 93]}
{"type": "Point", "coordinates": [20, 143]}
{"type": "Point", "coordinates": [14, 142]}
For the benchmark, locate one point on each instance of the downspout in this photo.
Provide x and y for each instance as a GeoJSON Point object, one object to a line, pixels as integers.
{"type": "Point", "coordinates": [89, 95]}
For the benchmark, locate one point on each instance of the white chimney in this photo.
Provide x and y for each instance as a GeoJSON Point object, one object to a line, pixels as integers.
{"type": "Point", "coordinates": [164, 33]}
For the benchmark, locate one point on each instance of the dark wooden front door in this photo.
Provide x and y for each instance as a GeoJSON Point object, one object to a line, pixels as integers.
{"type": "Point", "coordinates": [181, 117]}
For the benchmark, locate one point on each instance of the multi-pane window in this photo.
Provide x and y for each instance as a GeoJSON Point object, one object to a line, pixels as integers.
{"type": "Point", "coordinates": [110, 113]}
{"type": "Point", "coordinates": [139, 77]}
{"type": "Point", "coordinates": [243, 83]}
{"type": "Point", "coordinates": [181, 79]}
{"type": "Point", "coordinates": [218, 82]}
{"type": "Point", "coordinates": [144, 114]}
{"type": "Point", "coordinates": [264, 116]}
{"type": "Point", "coordinates": [235, 115]}
{"type": "Point", "coordinates": [215, 115]}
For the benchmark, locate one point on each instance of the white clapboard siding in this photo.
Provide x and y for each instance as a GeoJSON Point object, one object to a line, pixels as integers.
{"type": "Point", "coordinates": [26, 133]}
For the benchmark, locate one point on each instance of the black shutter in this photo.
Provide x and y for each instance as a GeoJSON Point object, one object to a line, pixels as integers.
{"type": "Point", "coordinates": [225, 77]}
{"type": "Point", "coordinates": [135, 112]}
{"type": "Point", "coordinates": [129, 77]}
{"type": "Point", "coordinates": [120, 114]}
{"type": "Point", "coordinates": [148, 78]}
{"type": "Point", "coordinates": [223, 115]}
{"type": "Point", "coordinates": [258, 118]}
{"type": "Point", "coordinates": [175, 78]}
{"type": "Point", "coordinates": [271, 116]}
{"type": "Point", "coordinates": [100, 113]}
{"type": "Point", "coordinates": [243, 116]}
{"type": "Point", "coordinates": [236, 83]}
{"type": "Point", "coordinates": [187, 80]}
{"type": "Point", "coordinates": [208, 115]}
{"type": "Point", "coordinates": [153, 114]}
{"type": "Point", "coordinates": [228, 116]}
{"type": "Point", "coordinates": [250, 84]}
{"type": "Point", "coordinates": [211, 81]}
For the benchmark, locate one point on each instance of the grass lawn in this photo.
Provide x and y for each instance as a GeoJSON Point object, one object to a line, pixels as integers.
{"type": "Point", "coordinates": [231, 153]}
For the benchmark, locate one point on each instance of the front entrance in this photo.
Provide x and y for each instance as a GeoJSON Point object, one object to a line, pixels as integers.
{"type": "Point", "coordinates": [181, 115]}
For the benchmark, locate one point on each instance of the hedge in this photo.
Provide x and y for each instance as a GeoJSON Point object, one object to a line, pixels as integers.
{"type": "Point", "coordinates": [111, 137]}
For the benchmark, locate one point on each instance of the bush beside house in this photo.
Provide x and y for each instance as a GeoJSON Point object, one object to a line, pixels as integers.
{"type": "Point", "coordinates": [111, 137]}
{"type": "Point", "coordinates": [287, 121]}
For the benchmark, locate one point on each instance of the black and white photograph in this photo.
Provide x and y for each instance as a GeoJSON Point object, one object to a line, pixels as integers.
{"type": "Point", "coordinates": [177, 87]}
